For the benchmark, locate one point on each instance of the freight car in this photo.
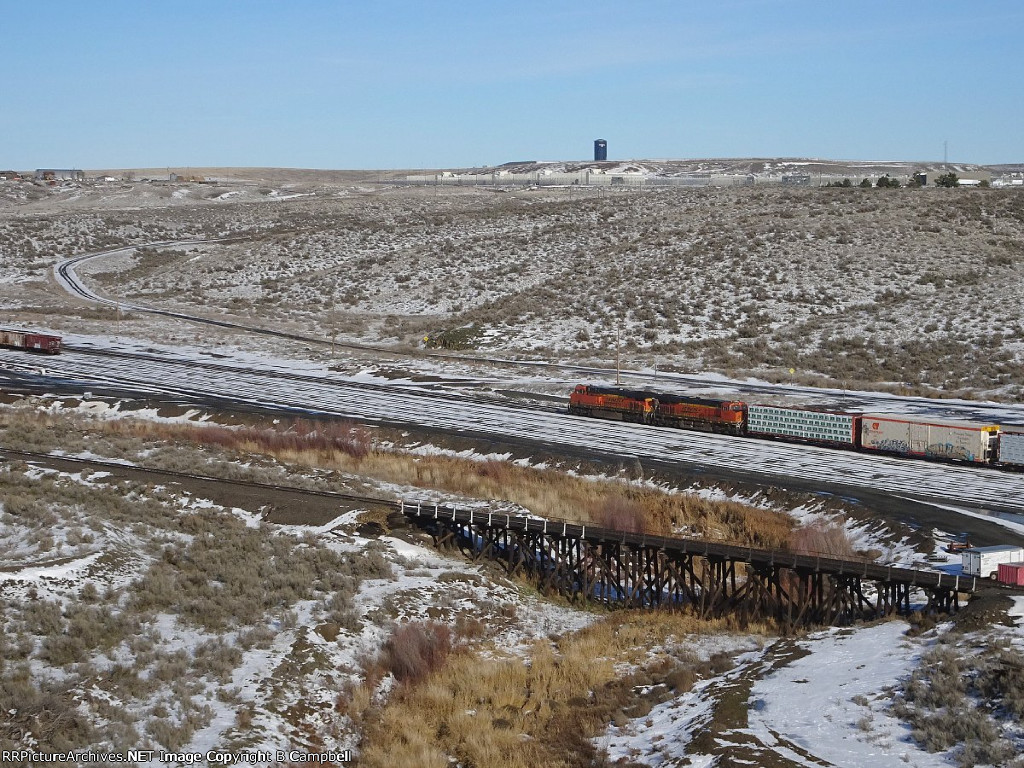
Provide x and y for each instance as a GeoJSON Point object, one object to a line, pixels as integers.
{"type": "Point", "coordinates": [34, 342]}
{"type": "Point", "coordinates": [968, 441]}
{"type": "Point", "coordinates": [819, 427]}
{"type": "Point", "coordinates": [1011, 447]}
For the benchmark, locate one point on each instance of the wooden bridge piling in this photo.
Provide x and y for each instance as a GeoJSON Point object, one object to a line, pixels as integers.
{"type": "Point", "coordinates": [635, 570]}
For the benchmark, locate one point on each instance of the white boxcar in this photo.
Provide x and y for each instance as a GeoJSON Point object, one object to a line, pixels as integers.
{"type": "Point", "coordinates": [928, 438]}
{"type": "Point", "coordinates": [819, 426]}
{"type": "Point", "coordinates": [984, 562]}
{"type": "Point", "coordinates": [1011, 448]}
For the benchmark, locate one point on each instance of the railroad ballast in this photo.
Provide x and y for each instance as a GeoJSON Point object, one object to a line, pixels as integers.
{"type": "Point", "coordinates": [33, 342]}
{"type": "Point", "coordinates": [938, 439]}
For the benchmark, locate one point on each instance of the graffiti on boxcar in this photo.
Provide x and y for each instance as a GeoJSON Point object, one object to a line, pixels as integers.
{"type": "Point", "coordinates": [890, 444]}
{"type": "Point", "coordinates": [948, 451]}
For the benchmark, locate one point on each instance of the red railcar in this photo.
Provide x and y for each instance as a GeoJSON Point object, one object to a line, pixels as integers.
{"type": "Point", "coordinates": [33, 342]}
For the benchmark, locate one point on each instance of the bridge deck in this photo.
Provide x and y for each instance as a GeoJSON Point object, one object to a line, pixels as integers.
{"type": "Point", "coordinates": [592, 563]}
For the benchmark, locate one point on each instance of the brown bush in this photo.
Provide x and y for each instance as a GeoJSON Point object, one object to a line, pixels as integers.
{"type": "Point", "coordinates": [416, 649]}
{"type": "Point", "coordinates": [821, 538]}
{"type": "Point", "coordinates": [621, 514]}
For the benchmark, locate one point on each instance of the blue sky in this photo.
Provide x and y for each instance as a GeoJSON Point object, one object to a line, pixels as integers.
{"type": "Point", "coordinates": [393, 84]}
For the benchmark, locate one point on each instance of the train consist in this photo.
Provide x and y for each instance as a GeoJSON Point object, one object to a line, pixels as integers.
{"type": "Point", "coordinates": [938, 439]}
{"type": "Point", "coordinates": [33, 342]}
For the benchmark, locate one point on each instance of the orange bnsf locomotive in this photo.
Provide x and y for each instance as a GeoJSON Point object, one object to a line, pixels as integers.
{"type": "Point", "coordinates": [704, 414]}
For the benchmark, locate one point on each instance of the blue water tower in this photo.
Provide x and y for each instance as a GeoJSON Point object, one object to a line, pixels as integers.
{"type": "Point", "coordinates": [600, 150]}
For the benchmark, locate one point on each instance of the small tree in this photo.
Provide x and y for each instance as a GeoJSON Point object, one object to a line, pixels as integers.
{"type": "Point", "coordinates": [885, 182]}
{"type": "Point", "coordinates": [865, 184]}
{"type": "Point", "coordinates": [948, 180]}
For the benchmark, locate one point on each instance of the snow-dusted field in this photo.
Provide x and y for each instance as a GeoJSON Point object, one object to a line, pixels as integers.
{"type": "Point", "coordinates": [274, 682]}
{"type": "Point", "coordinates": [172, 677]}
{"type": "Point", "coordinates": [761, 290]}
{"type": "Point", "coordinates": [824, 700]}
{"type": "Point", "coordinates": [913, 289]}
{"type": "Point", "coordinates": [397, 404]}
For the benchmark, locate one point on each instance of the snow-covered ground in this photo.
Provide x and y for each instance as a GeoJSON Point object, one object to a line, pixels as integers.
{"type": "Point", "coordinates": [282, 706]}
{"type": "Point", "coordinates": [335, 395]}
{"type": "Point", "coordinates": [823, 700]}
{"type": "Point", "coordinates": [856, 285]}
{"type": "Point", "coordinates": [859, 285]}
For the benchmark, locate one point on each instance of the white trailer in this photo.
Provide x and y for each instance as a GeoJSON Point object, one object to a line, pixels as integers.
{"type": "Point", "coordinates": [984, 562]}
{"type": "Point", "coordinates": [815, 426]}
{"type": "Point", "coordinates": [929, 438]}
{"type": "Point", "coordinates": [1011, 447]}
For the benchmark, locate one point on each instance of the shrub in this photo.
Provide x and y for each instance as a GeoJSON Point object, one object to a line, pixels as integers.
{"type": "Point", "coordinates": [416, 649]}
{"type": "Point", "coordinates": [821, 538]}
{"type": "Point", "coordinates": [42, 617]}
{"type": "Point", "coordinates": [43, 710]}
{"type": "Point", "coordinates": [621, 514]}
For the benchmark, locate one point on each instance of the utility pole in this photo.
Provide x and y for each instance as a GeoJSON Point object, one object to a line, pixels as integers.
{"type": "Point", "coordinates": [618, 368]}
{"type": "Point", "coordinates": [117, 305]}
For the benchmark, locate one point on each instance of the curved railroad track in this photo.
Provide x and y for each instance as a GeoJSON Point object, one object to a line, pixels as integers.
{"type": "Point", "coordinates": [66, 276]}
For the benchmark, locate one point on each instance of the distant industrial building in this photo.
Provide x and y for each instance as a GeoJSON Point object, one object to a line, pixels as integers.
{"type": "Point", "coordinates": [59, 174]}
{"type": "Point", "coordinates": [967, 178]}
{"type": "Point", "coordinates": [797, 180]}
{"type": "Point", "coordinates": [600, 150]}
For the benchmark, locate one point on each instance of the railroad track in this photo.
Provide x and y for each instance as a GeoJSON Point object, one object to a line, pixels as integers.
{"type": "Point", "coordinates": [775, 462]}
{"type": "Point", "coordinates": [421, 390]}
{"type": "Point", "coordinates": [64, 271]}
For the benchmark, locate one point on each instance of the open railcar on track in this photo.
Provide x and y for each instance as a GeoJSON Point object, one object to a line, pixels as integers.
{"type": "Point", "coordinates": [819, 427]}
{"type": "Point", "coordinates": [33, 342]}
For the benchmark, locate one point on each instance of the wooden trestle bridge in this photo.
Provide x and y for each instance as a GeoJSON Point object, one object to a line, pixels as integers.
{"type": "Point", "coordinates": [635, 570]}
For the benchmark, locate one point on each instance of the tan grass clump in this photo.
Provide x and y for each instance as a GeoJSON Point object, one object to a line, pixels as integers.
{"type": "Point", "coordinates": [544, 710]}
{"type": "Point", "coordinates": [822, 538]}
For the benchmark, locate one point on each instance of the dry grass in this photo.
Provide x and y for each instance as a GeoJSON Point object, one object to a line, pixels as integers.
{"type": "Point", "coordinates": [822, 538]}
{"type": "Point", "coordinates": [542, 710]}
{"type": "Point", "coordinates": [348, 448]}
